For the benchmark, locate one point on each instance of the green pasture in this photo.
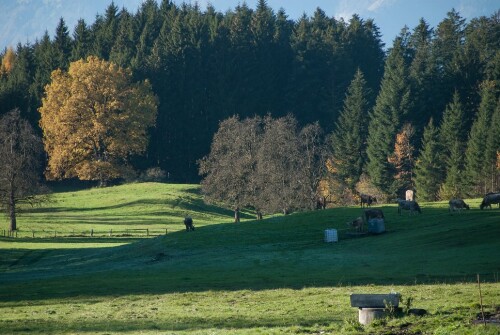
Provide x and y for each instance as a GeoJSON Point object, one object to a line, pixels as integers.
{"type": "Point", "coordinates": [275, 276]}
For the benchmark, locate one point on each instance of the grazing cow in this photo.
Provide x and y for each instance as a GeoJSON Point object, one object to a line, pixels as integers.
{"type": "Point", "coordinates": [373, 214]}
{"type": "Point", "coordinates": [411, 206]}
{"type": "Point", "coordinates": [357, 224]}
{"type": "Point", "coordinates": [489, 199]}
{"type": "Point", "coordinates": [367, 199]}
{"type": "Point", "coordinates": [457, 205]}
{"type": "Point", "coordinates": [188, 222]}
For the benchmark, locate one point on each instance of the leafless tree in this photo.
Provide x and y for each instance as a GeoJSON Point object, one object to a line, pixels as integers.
{"type": "Point", "coordinates": [278, 165]}
{"type": "Point", "coordinates": [230, 167]}
{"type": "Point", "coordinates": [312, 157]}
{"type": "Point", "coordinates": [267, 164]}
{"type": "Point", "coordinates": [20, 162]}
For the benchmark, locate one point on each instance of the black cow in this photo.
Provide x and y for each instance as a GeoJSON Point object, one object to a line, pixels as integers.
{"type": "Point", "coordinates": [489, 199]}
{"type": "Point", "coordinates": [408, 205]}
{"type": "Point", "coordinates": [188, 222]}
{"type": "Point", "coordinates": [367, 199]}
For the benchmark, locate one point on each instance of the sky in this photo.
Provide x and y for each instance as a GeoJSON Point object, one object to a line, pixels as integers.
{"type": "Point", "coordinates": [26, 20]}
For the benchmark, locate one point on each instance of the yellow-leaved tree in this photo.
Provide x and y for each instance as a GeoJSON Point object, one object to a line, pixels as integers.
{"type": "Point", "coordinates": [93, 119]}
{"type": "Point", "coordinates": [8, 61]}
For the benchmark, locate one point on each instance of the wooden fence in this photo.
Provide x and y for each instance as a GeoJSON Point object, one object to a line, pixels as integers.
{"type": "Point", "coordinates": [137, 232]}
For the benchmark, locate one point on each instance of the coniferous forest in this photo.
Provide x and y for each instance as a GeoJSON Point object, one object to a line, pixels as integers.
{"type": "Point", "coordinates": [425, 110]}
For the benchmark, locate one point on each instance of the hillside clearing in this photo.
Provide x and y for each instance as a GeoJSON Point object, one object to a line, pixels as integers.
{"type": "Point", "coordinates": [271, 276]}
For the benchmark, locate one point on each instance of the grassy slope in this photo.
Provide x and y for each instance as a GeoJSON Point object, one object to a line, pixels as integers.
{"type": "Point", "coordinates": [229, 276]}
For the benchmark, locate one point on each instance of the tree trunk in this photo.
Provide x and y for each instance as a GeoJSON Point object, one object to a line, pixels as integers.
{"type": "Point", "coordinates": [259, 215]}
{"type": "Point", "coordinates": [12, 211]}
{"type": "Point", "coordinates": [237, 215]}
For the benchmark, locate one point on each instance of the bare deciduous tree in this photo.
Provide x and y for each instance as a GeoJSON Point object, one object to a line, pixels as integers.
{"type": "Point", "coordinates": [267, 164]}
{"type": "Point", "coordinates": [20, 158]}
{"type": "Point", "coordinates": [230, 167]}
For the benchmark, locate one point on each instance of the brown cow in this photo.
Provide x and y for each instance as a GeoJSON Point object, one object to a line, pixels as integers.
{"type": "Point", "coordinates": [457, 205]}
{"type": "Point", "coordinates": [373, 214]}
{"type": "Point", "coordinates": [367, 199]}
{"type": "Point", "coordinates": [357, 224]}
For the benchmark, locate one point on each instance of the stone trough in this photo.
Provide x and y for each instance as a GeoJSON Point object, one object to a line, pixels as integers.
{"type": "Point", "coordinates": [373, 306]}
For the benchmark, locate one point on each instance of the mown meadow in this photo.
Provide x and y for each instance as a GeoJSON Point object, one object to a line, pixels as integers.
{"type": "Point", "coordinates": [275, 276]}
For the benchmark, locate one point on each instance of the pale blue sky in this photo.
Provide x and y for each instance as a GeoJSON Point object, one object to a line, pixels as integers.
{"type": "Point", "coordinates": [27, 20]}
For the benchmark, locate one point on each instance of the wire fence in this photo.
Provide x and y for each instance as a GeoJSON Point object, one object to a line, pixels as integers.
{"type": "Point", "coordinates": [137, 232]}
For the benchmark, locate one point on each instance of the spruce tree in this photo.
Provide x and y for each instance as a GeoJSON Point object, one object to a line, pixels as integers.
{"type": "Point", "coordinates": [423, 74]}
{"type": "Point", "coordinates": [62, 45]}
{"type": "Point", "coordinates": [349, 137]}
{"type": "Point", "coordinates": [476, 167]}
{"type": "Point", "coordinates": [454, 185]}
{"type": "Point", "coordinates": [82, 41]}
{"type": "Point", "coordinates": [428, 171]}
{"type": "Point", "coordinates": [392, 105]}
{"type": "Point", "coordinates": [492, 151]}
{"type": "Point", "coordinates": [452, 135]}
{"type": "Point", "coordinates": [123, 49]}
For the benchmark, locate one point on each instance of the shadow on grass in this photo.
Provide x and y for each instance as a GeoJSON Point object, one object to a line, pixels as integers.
{"type": "Point", "coordinates": [164, 323]}
{"type": "Point", "coordinates": [282, 252]}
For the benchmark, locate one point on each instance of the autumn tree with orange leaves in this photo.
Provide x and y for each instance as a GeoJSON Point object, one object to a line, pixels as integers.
{"type": "Point", "coordinates": [403, 160]}
{"type": "Point", "coordinates": [93, 119]}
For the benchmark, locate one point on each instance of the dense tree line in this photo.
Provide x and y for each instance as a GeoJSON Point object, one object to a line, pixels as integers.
{"type": "Point", "coordinates": [206, 66]}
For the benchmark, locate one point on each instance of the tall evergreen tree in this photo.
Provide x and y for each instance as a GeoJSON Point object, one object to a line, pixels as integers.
{"type": "Point", "coordinates": [82, 41]}
{"type": "Point", "coordinates": [423, 74]}
{"type": "Point", "coordinates": [452, 136]}
{"type": "Point", "coordinates": [45, 60]}
{"type": "Point", "coordinates": [492, 150]}
{"type": "Point", "coordinates": [349, 137]}
{"type": "Point", "coordinates": [428, 172]}
{"type": "Point", "coordinates": [454, 185]}
{"type": "Point", "coordinates": [124, 49]}
{"type": "Point", "coordinates": [62, 45]}
{"type": "Point", "coordinates": [105, 30]}
{"type": "Point", "coordinates": [453, 126]}
{"type": "Point", "coordinates": [392, 105]}
{"type": "Point", "coordinates": [477, 170]}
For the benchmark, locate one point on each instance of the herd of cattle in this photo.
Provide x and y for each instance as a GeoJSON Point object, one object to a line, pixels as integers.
{"type": "Point", "coordinates": [455, 205]}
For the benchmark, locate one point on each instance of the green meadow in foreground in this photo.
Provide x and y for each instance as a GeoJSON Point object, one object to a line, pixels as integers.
{"type": "Point", "coordinates": [275, 276]}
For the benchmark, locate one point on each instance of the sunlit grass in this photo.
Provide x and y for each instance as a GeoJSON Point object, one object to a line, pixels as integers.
{"type": "Point", "coordinates": [275, 276]}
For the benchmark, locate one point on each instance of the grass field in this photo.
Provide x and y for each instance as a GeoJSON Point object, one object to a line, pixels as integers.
{"type": "Point", "coordinates": [275, 276]}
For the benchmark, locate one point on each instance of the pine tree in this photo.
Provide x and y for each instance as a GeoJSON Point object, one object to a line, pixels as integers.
{"type": "Point", "coordinates": [123, 49]}
{"type": "Point", "coordinates": [105, 31]}
{"type": "Point", "coordinates": [62, 45]}
{"type": "Point", "coordinates": [428, 171]}
{"type": "Point", "coordinates": [492, 150]}
{"type": "Point", "coordinates": [477, 170]}
{"type": "Point", "coordinates": [454, 184]}
{"type": "Point", "coordinates": [45, 60]}
{"type": "Point", "coordinates": [82, 41]}
{"type": "Point", "coordinates": [423, 74]}
{"type": "Point", "coordinates": [349, 137]}
{"type": "Point", "coordinates": [392, 105]}
{"type": "Point", "coordinates": [452, 135]}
